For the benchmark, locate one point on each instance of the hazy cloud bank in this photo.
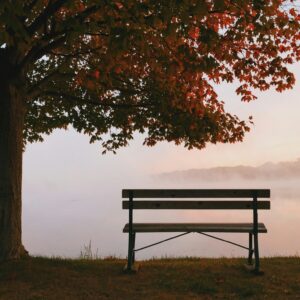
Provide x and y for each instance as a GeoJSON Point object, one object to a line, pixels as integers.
{"type": "Point", "coordinates": [289, 170]}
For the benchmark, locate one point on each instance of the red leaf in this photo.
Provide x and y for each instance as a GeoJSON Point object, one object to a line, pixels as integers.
{"type": "Point", "coordinates": [293, 12]}
{"type": "Point", "coordinates": [96, 74]}
{"type": "Point", "coordinates": [194, 33]}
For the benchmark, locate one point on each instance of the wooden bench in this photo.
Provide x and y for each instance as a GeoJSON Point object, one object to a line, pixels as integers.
{"type": "Point", "coordinates": [203, 228]}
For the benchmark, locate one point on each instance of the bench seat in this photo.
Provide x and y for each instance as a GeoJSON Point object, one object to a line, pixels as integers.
{"type": "Point", "coordinates": [194, 227]}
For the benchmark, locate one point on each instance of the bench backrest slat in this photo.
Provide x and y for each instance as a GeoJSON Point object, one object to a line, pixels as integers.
{"type": "Point", "coordinates": [188, 193]}
{"type": "Point", "coordinates": [157, 204]}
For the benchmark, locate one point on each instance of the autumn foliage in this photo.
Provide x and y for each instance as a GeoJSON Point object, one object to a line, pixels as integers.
{"type": "Point", "coordinates": [150, 66]}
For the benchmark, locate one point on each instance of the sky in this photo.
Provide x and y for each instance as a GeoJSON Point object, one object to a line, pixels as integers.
{"type": "Point", "coordinates": [72, 193]}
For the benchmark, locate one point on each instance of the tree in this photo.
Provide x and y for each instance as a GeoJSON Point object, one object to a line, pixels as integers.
{"type": "Point", "coordinates": [110, 68]}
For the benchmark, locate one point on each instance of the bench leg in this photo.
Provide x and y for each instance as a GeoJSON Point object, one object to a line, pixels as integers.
{"type": "Point", "coordinates": [250, 249]}
{"type": "Point", "coordinates": [130, 257]}
{"type": "Point", "coordinates": [133, 247]}
{"type": "Point", "coordinates": [256, 253]}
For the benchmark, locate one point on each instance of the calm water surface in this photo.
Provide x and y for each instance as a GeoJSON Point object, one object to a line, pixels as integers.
{"type": "Point", "coordinates": [61, 219]}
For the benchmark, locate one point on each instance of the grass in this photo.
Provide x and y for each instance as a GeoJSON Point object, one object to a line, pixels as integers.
{"type": "Point", "coordinates": [39, 278]}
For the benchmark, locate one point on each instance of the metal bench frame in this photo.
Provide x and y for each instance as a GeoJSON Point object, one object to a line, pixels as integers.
{"type": "Point", "coordinates": [254, 205]}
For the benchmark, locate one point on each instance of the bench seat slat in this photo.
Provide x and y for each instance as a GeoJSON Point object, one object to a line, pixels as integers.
{"type": "Point", "coordinates": [194, 227]}
{"type": "Point", "coordinates": [170, 204]}
{"type": "Point", "coordinates": [196, 193]}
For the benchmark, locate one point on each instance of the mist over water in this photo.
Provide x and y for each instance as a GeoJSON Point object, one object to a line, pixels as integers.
{"type": "Point", "coordinates": [282, 221]}
{"type": "Point", "coordinates": [72, 194]}
{"type": "Point", "coordinates": [74, 197]}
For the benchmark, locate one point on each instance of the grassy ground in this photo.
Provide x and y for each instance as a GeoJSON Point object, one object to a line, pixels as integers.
{"type": "Point", "coordinates": [191, 278]}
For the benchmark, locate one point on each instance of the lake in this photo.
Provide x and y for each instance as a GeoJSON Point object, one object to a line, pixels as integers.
{"type": "Point", "coordinates": [60, 218]}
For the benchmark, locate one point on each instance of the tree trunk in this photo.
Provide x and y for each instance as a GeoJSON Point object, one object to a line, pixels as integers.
{"type": "Point", "coordinates": [12, 114]}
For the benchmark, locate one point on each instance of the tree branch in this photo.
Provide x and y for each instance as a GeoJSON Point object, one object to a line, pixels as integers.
{"type": "Point", "coordinates": [86, 13]}
{"type": "Point", "coordinates": [75, 54]}
{"type": "Point", "coordinates": [39, 50]}
{"type": "Point", "coordinates": [51, 8]}
{"type": "Point", "coordinates": [31, 4]}
{"type": "Point", "coordinates": [34, 89]}
{"type": "Point", "coordinates": [73, 99]}
{"type": "Point", "coordinates": [52, 45]}
{"type": "Point", "coordinates": [54, 39]}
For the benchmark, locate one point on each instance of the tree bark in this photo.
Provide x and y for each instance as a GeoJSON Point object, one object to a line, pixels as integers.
{"type": "Point", "coordinates": [12, 114]}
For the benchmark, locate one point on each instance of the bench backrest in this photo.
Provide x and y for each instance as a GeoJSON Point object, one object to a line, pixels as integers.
{"type": "Point", "coordinates": [253, 194]}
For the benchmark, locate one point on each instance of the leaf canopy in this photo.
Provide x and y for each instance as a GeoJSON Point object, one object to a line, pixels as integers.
{"type": "Point", "coordinates": [110, 68]}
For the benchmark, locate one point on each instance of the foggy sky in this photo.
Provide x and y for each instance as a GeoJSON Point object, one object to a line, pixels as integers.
{"type": "Point", "coordinates": [72, 193]}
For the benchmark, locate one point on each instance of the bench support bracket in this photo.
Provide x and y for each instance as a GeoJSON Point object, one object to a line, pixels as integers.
{"type": "Point", "coordinates": [160, 242]}
{"type": "Point", "coordinates": [226, 241]}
